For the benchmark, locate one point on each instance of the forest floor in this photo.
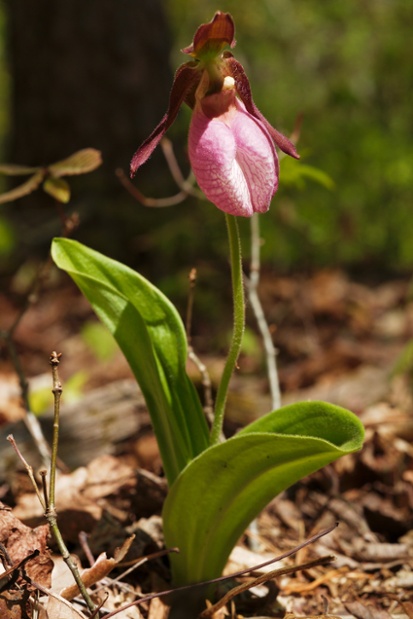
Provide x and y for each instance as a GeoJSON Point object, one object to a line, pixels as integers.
{"type": "Point", "coordinates": [339, 340]}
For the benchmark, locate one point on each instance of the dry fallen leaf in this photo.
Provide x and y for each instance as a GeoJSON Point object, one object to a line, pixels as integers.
{"type": "Point", "coordinates": [57, 608]}
{"type": "Point", "coordinates": [157, 609]}
{"type": "Point", "coordinates": [99, 570]}
{"type": "Point", "coordinates": [362, 611]}
{"type": "Point", "coordinates": [20, 540]}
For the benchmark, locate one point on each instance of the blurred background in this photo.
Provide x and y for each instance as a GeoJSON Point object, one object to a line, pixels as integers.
{"type": "Point", "coordinates": [97, 74]}
{"type": "Point", "coordinates": [337, 252]}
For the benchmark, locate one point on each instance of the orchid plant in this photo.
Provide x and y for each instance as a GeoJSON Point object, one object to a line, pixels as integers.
{"type": "Point", "coordinates": [215, 487]}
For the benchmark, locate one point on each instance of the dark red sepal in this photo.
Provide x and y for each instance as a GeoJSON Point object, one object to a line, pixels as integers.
{"type": "Point", "coordinates": [186, 79]}
{"type": "Point", "coordinates": [236, 70]}
{"type": "Point", "coordinates": [213, 36]}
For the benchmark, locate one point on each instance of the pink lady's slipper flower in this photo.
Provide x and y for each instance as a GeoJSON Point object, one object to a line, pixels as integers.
{"type": "Point", "coordinates": [231, 144]}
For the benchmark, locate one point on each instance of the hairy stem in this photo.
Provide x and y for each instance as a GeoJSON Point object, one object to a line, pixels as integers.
{"type": "Point", "coordinates": [238, 327]}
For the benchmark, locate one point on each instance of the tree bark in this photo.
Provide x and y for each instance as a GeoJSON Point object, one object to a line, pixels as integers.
{"type": "Point", "coordinates": [86, 73]}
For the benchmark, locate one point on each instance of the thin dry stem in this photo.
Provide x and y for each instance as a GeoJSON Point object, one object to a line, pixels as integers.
{"type": "Point", "coordinates": [29, 470]}
{"type": "Point", "coordinates": [186, 186]}
{"type": "Point", "coordinates": [284, 555]}
{"type": "Point", "coordinates": [252, 287]}
{"type": "Point", "coordinates": [50, 512]}
{"type": "Point", "coordinates": [30, 420]}
{"type": "Point", "coordinates": [205, 382]}
{"type": "Point", "coordinates": [57, 394]}
{"type": "Point", "coordinates": [58, 597]}
{"type": "Point", "coordinates": [192, 356]}
{"type": "Point", "coordinates": [209, 612]}
{"type": "Point", "coordinates": [190, 304]}
{"type": "Point", "coordinates": [151, 202]}
{"type": "Point", "coordinates": [7, 335]}
{"type": "Point", "coordinates": [43, 476]}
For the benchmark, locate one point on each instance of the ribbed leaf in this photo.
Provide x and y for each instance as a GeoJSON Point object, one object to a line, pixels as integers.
{"type": "Point", "coordinates": [81, 162]}
{"type": "Point", "coordinates": [222, 490]}
{"type": "Point", "coordinates": [151, 335]}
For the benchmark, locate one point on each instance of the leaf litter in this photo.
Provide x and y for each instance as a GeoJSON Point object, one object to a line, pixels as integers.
{"type": "Point", "coordinates": [338, 340]}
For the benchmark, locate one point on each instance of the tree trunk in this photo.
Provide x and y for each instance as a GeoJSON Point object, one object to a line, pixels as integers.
{"type": "Point", "coordinates": [86, 73]}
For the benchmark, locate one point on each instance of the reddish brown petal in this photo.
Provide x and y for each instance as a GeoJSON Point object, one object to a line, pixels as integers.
{"type": "Point", "coordinates": [244, 90]}
{"type": "Point", "coordinates": [185, 80]}
{"type": "Point", "coordinates": [215, 35]}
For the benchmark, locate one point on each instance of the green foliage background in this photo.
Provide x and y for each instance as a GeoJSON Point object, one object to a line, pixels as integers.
{"type": "Point", "coordinates": [346, 67]}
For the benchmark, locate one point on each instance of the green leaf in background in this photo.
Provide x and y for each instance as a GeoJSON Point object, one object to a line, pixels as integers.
{"type": "Point", "coordinates": [404, 362]}
{"type": "Point", "coordinates": [215, 498]}
{"type": "Point", "coordinates": [81, 162]}
{"type": "Point", "coordinates": [99, 340]}
{"type": "Point", "coordinates": [41, 400]}
{"type": "Point", "coordinates": [7, 237]}
{"type": "Point", "coordinates": [58, 188]}
{"type": "Point", "coordinates": [296, 173]}
{"type": "Point", "coordinates": [151, 335]}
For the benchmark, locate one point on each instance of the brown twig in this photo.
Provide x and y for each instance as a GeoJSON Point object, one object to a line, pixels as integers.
{"type": "Point", "coordinates": [261, 580]}
{"type": "Point", "coordinates": [12, 570]}
{"type": "Point", "coordinates": [47, 499]}
{"type": "Point", "coordinates": [58, 597]}
{"type": "Point", "coordinates": [284, 555]}
{"type": "Point", "coordinates": [133, 565]}
{"type": "Point", "coordinates": [30, 420]}
{"type": "Point", "coordinates": [151, 202]}
{"type": "Point", "coordinates": [186, 186]}
{"type": "Point", "coordinates": [29, 470]}
{"type": "Point", "coordinates": [8, 336]}
{"type": "Point", "coordinates": [190, 304]}
{"type": "Point", "coordinates": [86, 548]}
{"type": "Point", "coordinates": [57, 394]}
{"type": "Point", "coordinates": [43, 476]}
{"type": "Point", "coordinates": [50, 513]}
{"type": "Point", "coordinates": [205, 378]}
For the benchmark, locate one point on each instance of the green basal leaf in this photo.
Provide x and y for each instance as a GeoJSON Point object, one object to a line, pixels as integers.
{"type": "Point", "coordinates": [58, 188]}
{"type": "Point", "coordinates": [313, 419]}
{"type": "Point", "coordinates": [151, 335]}
{"type": "Point", "coordinates": [81, 162]}
{"type": "Point", "coordinates": [218, 494]}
